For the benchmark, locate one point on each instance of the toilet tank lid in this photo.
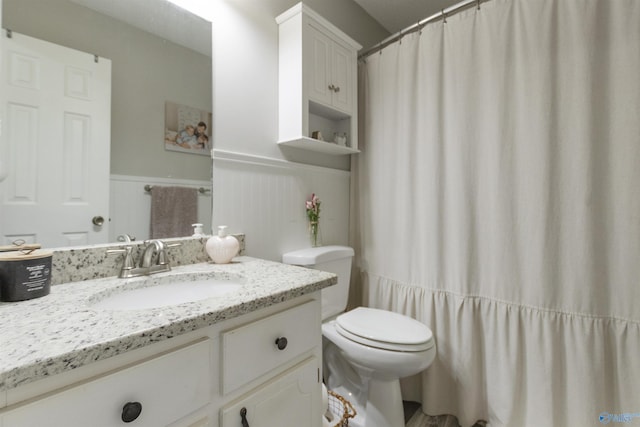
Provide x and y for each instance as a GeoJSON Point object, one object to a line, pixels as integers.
{"type": "Point", "coordinates": [313, 256]}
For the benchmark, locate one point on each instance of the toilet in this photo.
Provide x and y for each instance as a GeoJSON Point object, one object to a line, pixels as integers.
{"type": "Point", "coordinates": [366, 350]}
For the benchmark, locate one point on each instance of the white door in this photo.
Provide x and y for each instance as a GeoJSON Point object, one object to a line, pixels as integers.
{"type": "Point", "coordinates": [54, 143]}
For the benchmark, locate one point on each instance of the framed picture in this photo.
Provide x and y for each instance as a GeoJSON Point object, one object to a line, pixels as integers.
{"type": "Point", "coordinates": [187, 129]}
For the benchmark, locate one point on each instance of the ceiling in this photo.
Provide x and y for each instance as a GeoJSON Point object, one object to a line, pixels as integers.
{"type": "Point", "coordinates": [395, 15]}
{"type": "Point", "coordinates": [160, 18]}
{"type": "Point", "coordinates": [150, 15]}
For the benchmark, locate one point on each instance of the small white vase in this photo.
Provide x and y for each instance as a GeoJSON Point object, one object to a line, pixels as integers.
{"type": "Point", "coordinates": [222, 248]}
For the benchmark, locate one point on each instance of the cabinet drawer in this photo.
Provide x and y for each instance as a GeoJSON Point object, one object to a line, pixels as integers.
{"type": "Point", "coordinates": [251, 350]}
{"type": "Point", "coordinates": [168, 387]}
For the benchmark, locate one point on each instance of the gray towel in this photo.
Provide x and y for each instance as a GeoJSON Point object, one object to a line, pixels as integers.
{"type": "Point", "coordinates": [173, 210]}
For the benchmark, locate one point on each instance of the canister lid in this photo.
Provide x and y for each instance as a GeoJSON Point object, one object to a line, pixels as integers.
{"type": "Point", "coordinates": [21, 256]}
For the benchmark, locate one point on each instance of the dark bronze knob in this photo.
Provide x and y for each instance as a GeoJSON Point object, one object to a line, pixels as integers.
{"type": "Point", "coordinates": [281, 343]}
{"type": "Point", "coordinates": [243, 417]}
{"type": "Point", "coordinates": [131, 411]}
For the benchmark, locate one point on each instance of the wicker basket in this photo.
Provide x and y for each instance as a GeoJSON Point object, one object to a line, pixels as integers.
{"type": "Point", "coordinates": [341, 410]}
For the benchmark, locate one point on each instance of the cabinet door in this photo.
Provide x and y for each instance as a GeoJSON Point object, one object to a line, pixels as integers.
{"type": "Point", "coordinates": [341, 76]}
{"type": "Point", "coordinates": [319, 69]}
{"type": "Point", "coordinates": [290, 399]}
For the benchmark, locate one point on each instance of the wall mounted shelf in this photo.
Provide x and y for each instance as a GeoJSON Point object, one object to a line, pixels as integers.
{"type": "Point", "coordinates": [319, 146]}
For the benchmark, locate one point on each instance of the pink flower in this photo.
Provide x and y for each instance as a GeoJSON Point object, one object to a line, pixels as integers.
{"type": "Point", "coordinates": [313, 208]}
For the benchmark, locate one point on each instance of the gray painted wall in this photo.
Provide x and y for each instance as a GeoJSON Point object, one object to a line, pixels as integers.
{"type": "Point", "coordinates": [146, 72]}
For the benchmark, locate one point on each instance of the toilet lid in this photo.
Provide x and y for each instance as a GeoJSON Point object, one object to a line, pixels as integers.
{"type": "Point", "coordinates": [384, 329]}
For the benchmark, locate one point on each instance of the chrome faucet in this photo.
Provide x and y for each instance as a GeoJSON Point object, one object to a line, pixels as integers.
{"type": "Point", "coordinates": [153, 259]}
{"type": "Point", "coordinates": [155, 251]}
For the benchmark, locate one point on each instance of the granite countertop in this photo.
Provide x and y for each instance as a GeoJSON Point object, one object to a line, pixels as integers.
{"type": "Point", "coordinates": [61, 331]}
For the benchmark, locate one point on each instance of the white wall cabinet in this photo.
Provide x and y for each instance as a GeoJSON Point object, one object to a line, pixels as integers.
{"type": "Point", "coordinates": [317, 83]}
{"type": "Point", "coordinates": [181, 382]}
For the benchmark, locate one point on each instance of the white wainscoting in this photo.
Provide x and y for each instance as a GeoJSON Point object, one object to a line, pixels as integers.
{"type": "Point", "coordinates": [130, 210]}
{"type": "Point", "coordinates": [264, 198]}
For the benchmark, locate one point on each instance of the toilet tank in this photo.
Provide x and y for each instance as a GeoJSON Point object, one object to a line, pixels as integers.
{"type": "Point", "coordinates": [334, 259]}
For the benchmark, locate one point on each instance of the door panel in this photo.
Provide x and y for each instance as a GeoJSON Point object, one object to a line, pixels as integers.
{"type": "Point", "coordinates": [342, 77]}
{"type": "Point", "coordinates": [55, 143]}
{"type": "Point", "coordinates": [320, 70]}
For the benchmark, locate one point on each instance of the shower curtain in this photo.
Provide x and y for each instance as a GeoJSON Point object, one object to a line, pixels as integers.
{"type": "Point", "coordinates": [498, 200]}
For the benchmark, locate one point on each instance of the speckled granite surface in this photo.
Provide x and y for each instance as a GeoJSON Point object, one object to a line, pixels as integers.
{"type": "Point", "coordinates": [93, 262]}
{"type": "Point", "coordinates": [61, 331]}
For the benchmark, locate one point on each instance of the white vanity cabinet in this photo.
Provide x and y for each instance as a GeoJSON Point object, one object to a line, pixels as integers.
{"type": "Point", "coordinates": [267, 361]}
{"type": "Point", "coordinates": [317, 83]}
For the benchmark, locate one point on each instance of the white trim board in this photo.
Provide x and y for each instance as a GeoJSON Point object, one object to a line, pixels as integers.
{"type": "Point", "coordinates": [232, 156]}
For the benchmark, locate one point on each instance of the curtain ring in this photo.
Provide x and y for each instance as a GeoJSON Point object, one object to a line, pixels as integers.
{"type": "Point", "coordinates": [478, 3]}
{"type": "Point", "coordinates": [400, 37]}
{"type": "Point", "coordinates": [444, 17]}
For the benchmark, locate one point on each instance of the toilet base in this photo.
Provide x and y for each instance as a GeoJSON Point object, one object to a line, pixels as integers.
{"type": "Point", "coordinates": [384, 405]}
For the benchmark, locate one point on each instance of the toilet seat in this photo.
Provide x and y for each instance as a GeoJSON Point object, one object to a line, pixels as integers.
{"type": "Point", "coordinates": [384, 329]}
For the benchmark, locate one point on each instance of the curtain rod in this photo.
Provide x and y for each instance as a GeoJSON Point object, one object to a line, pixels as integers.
{"type": "Point", "coordinates": [465, 4]}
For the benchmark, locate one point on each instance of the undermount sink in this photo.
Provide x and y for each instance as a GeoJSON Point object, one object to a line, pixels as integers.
{"type": "Point", "coordinates": [168, 294]}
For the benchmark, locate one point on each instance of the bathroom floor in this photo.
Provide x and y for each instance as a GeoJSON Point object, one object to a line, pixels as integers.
{"type": "Point", "coordinates": [421, 420]}
{"type": "Point", "coordinates": [414, 417]}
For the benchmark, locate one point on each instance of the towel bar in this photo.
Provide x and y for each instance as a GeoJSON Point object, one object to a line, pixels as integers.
{"type": "Point", "coordinates": [201, 190]}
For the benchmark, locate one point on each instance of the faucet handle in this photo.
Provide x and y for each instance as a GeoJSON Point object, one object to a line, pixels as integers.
{"type": "Point", "coordinates": [127, 264]}
{"type": "Point", "coordinates": [162, 254]}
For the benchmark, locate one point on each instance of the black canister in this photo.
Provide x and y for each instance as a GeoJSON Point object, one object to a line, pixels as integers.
{"type": "Point", "coordinates": [24, 276]}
